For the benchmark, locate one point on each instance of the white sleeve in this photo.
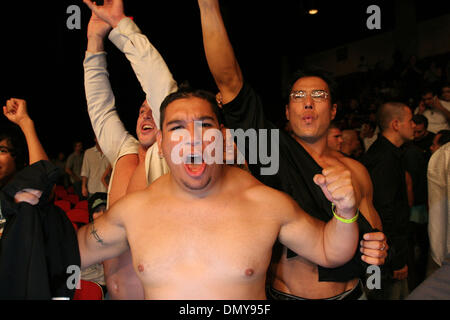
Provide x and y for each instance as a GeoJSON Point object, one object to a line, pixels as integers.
{"type": "Point", "coordinates": [108, 128]}
{"type": "Point", "coordinates": [148, 65]}
{"type": "Point", "coordinates": [438, 205]}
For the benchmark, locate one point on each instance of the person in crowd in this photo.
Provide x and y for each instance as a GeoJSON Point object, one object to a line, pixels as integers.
{"type": "Point", "coordinates": [94, 166]}
{"type": "Point", "coordinates": [301, 154]}
{"type": "Point", "coordinates": [436, 111]}
{"type": "Point", "coordinates": [334, 137]}
{"type": "Point", "coordinates": [438, 175]}
{"type": "Point", "coordinates": [441, 138]}
{"type": "Point", "coordinates": [368, 134]}
{"type": "Point", "coordinates": [351, 146]}
{"type": "Point", "coordinates": [13, 149]}
{"type": "Point", "coordinates": [135, 162]}
{"type": "Point", "coordinates": [60, 162]}
{"type": "Point", "coordinates": [383, 160]}
{"type": "Point", "coordinates": [415, 163]}
{"type": "Point", "coordinates": [73, 167]}
{"type": "Point", "coordinates": [422, 137]}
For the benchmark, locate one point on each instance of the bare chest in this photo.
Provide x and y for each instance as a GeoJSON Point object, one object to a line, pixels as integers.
{"type": "Point", "coordinates": [201, 243]}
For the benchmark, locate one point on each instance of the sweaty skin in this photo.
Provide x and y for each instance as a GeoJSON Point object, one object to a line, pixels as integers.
{"type": "Point", "coordinates": [210, 235]}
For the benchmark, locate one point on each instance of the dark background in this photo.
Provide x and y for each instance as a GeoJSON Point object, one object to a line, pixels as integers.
{"type": "Point", "coordinates": [42, 59]}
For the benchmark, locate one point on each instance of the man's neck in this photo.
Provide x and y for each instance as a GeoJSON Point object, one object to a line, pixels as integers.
{"type": "Point", "coordinates": [142, 151]}
{"type": "Point", "coordinates": [315, 148]}
{"type": "Point", "coordinates": [393, 138]}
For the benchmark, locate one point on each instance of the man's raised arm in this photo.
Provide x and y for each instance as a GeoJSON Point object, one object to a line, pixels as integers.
{"type": "Point", "coordinates": [219, 52]}
{"type": "Point", "coordinates": [108, 127]}
{"type": "Point", "coordinates": [16, 112]}
{"type": "Point", "coordinates": [148, 65]}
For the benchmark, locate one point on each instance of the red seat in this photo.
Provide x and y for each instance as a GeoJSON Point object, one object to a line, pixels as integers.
{"type": "Point", "coordinates": [88, 291]}
{"type": "Point", "coordinates": [60, 193]}
{"type": "Point", "coordinates": [83, 204]}
{"type": "Point", "coordinates": [78, 216]}
{"type": "Point", "coordinates": [70, 190]}
{"type": "Point", "coordinates": [63, 204]}
{"type": "Point", "coordinates": [73, 198]}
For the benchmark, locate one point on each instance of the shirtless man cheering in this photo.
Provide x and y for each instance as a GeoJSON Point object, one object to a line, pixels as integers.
{"type": "Point", "coordinates": [206, 231]}
{"type": "Point", "coordinates": [302, 154]}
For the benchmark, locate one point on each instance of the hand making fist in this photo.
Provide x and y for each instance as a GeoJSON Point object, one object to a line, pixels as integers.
{"type": "Point", "coordinates": [336, 183]}
{"type": "Point", "coordinates": [111, 11]}
{"type": "Point", "coordinates": [16, 111]}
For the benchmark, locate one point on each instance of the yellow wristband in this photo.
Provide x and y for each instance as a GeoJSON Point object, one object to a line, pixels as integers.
{"type": "Point", "coordinates": [333, 207]}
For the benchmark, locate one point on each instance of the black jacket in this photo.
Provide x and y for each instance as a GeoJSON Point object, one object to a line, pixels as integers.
{"type": "Point", "coordinates": [38, 243]}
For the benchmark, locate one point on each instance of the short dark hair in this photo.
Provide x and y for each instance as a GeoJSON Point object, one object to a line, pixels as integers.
{"type": "Point", "coordinates": [17, 144]}
{"type": "Point", "coordinates": [187, 92]}
{"type": "Point", "coordinates": [444, 138]}
{"type": "Point", "coordinates": [311, 72]}
{"type": "Point", "coordinates": [334, 125]}
{"type": "Point", "coordinates": [388, 112]}
{"type": "Point", "coordinates": [420, 119]}
{"type": "Point", "coordinates": [426, 90]}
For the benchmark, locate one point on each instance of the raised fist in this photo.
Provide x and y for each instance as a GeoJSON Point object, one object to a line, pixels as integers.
{"type": "Point", "coordinates": [16, 111]}
{"type": "Point", "coordinates": [336, 183]}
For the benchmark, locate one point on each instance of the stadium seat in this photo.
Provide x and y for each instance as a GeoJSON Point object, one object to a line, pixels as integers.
{"type": "Point", "coordinates": [78, 216]}
{"type": "Point", "coordinates": [88, 291]}
{"type": "Point", "coordinates": [83, 204]}
{"type": "Point", "coordinates": [63, 204]}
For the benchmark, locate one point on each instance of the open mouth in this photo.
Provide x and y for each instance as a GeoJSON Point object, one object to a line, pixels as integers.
{"type": "Point", "coordinates": [147, 128]}
{"type": "Point", "coordinates": [194, 165]}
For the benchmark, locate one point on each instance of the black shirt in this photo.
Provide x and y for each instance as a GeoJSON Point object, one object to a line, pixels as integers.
{"type": "Point", "coordinates": [383, 160]}
{"type": "Point", "coordinates": [425, 143]}
{"type": "Point", "coordinates": [415, 162]}
{"type": "Point", "coordinates": [295, 173]}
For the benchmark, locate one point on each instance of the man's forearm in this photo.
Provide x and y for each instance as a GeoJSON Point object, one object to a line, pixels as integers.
{"type": "Point", "coordinates": [340, 241]}
{"type": "Point", "coordinates": [95, 44]}
{"type": "Point", "coordinates": [219, 51]}
{"type": "Point", "coordinates": [35, 150]}
{"type": "Point", "coordinates": [150, 68]}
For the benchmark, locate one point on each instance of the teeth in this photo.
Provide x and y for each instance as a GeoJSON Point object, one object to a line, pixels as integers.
{"type": "Point", "coordinates": [147, 127]}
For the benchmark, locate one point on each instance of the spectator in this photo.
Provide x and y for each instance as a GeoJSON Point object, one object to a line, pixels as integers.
{"type": "Point", "coordinates": [415, 162]}
{"type": "Point", "coordinates": [368, 134]}
{"type": "Point", "coordinates": [384, 163]}
{"type": "Point", "coordinates": [439, 206]}
{"type": "Point", "coordinates": [351, 146]}
{"type": "Point", "coordinates": [73, 167]}
{"type": "Point", "coordinates": [13, 151]}
{"type": "Point", "coordinates": [334, 137]}
{"type": "Point", "coordinates": [60, 162]}
{"type": "Point", "coordinates": [422, 137]}
{"type": "Point", "coordinates": [433, 109]}
{"type": "Point", "coordinates": [441, 138]}
{"type": "Point", "coordinates": [94, 166]}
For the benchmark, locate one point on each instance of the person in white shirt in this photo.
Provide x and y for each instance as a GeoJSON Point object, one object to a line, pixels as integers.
{"type": "Point", "coordinates": [439, 206]}
{"type": "Point", "coordinates": [135, 162]}
{"type": "Point", "coordinates": [94, 165]}
{"type": "Point", "coordinates": [436, 111]}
